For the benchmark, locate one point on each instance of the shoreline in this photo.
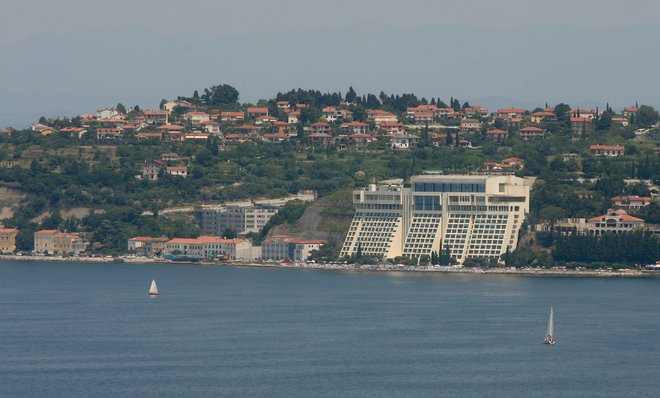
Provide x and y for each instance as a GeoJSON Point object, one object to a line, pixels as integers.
{"type": "Point", "coordinates": [628, 273]}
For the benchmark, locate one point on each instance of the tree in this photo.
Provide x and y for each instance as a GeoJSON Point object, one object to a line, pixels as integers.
{"type": "Point", "coordinates": [647, 116]}
{"type": "Point", "coordinates": [121, 108]}
{"type": "Point", "coordinates": [351, 95]}
{"type": "Point", "coordinates": [220, 95]}
{"type": "Point", "coordinates": [562, 111]}
{"type": "Point", "coordinates": [604, 121]}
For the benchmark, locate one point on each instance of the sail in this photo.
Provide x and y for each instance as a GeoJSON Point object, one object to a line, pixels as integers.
{"type": "Point", "coordinates": [154, 288]}
{"type": "Point", "coordinates": [551, 324]}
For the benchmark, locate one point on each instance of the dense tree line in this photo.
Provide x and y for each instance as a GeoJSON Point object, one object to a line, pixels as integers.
{"type": "Point", "coordinates": [634, 247]}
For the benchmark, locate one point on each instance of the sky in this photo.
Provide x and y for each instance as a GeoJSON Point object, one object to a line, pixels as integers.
{"type": "Point", "coordinates": [66, 57]}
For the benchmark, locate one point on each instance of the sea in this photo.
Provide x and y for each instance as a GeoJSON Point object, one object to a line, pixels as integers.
{"type": "Point", "coordinates": [91, 330]}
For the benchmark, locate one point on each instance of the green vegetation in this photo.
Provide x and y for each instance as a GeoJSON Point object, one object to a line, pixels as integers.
{"type": "Point", "coordinates": [60, 171]}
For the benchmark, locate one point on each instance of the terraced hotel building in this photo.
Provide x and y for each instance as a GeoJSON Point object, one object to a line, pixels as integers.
{"type": "Point", "coordinates": [471, 215]}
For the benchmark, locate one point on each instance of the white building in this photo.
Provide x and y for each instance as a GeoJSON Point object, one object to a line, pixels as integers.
{"type": "Point", "coordinates": [211, 247]}
{"type": "Point", "coordinates": [284, 247]}
{"type": "Point", "coordinates": [471, 215]}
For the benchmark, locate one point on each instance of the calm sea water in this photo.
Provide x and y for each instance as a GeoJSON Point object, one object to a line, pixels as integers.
{"type": "Point", "coordinates": [90, 330]}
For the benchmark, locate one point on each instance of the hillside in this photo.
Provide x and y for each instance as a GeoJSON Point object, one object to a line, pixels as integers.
{"type": "Point", "coordinates": [327, 218]}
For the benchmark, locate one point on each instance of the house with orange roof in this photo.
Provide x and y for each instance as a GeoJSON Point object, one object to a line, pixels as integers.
{"type": "Point", "coordinates": [108, 133]}
{"type": "Point", "coordinates": [497, 135]}
{"type": "Point", "coordinates": [391, 127]}
{"type": "Point", "coordinates": [283, 104]}
{"type": "Point", "coordinates": [236, 138]}
{"type": "Point", "coordinates": [423, 117]}
{"type": "Point", "coordinates": [293, 117]}
{"type": "Point", "coordinates": [530, 133]}
{"type": "Point", "coordinates": [8, 240]}
{"type": "Point", "coordinates": [607, 150]}
{"type": "Point", "coordinates": [249, 129]}
{"type": "Point", "coordinates": [403, 140]}
{"type": "Point", "coordinates": [284, 128]}
{"type": "Point", "coordinates": [180, 171]}
{"type": "Point", "coordinates": [232, 117]}
{"type": "Point", "coordinates": [152, 169]}
{"type": "Point", "coordinates": [274, 137]}
{"type": "Point", "coordinates": [614, 222]}
{"type": "Point", "coordinates": [470, 124]}
{"type": "Point", "coordinates": [195, 136]}
{"type": "Point", "coordinates": [630, 111]}
{"type": "Point", "coordinates": [320, 127]}
{"type": "Point", "coordinates": [582, 127]}
{"type": "Point", "coordinates": [212, 247]}
{"type": "Point", "coordinates": [379, 116]}
{"type": "Point", "coordinates": [332, 114]}
{"type": "Point", "coordinates": [543, 116]}
{"type": "Point", "coordinates": [146, 135]}
{"type": "Point", "coordinates": [257, 111]}
{"type": "Point", "coordinates": [211, 127]}
{"type": "Point", "coordinates": [510, 113]}
{"type": "Point", "coordinates": [264, 120]}
{"type": "Point", "coordinates": [156, 116]}
{"type": "Point", "coordinates": [354, 128]}
{"type": "Point", "coordinates": [632, 202]}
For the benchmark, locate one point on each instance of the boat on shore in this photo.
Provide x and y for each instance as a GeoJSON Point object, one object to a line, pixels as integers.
{"type": "Point", "coordinates": [153, 290]}
{"type": "Point", "coordinates": [549, 335]}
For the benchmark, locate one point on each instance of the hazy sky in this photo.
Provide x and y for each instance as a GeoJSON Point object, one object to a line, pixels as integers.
{"type": "Point", "coordinates": [72, 56]}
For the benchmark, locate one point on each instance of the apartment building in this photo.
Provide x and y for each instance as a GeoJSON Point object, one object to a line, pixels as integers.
{"type": "Point", "coordinates": [242, 217]}
{"type": "Point", "coordinates": [147, 246]}
{"type": "Point", "coordinates": [212, 246]}
{"type": "Point", "coordinates": [471, 215]}
{"type": "Point", "coordinates": [284, 247]}
{"type": "Point", "coordinates": [8, 240]}
{"type": "Point", "coordinates": [53, 241]}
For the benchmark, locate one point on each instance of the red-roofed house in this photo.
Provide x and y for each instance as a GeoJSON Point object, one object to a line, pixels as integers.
{"type": "Point", "coordinates": [496, 135]}
{"type": "Point", "coordinates": [632, 202]}
{"type": "Point", "coordinates": [543, 116]}
{"type": "Point", "coordinates": [283, 104]}
{"type": "Point", "coordinates": [331, 114]}
{"type": "Point", "coordinates": [320, 127]}
{"type": "Point", "coordinates": [293, 117]}
{"type": "Point", "coordinates": [615, 221]}
{"type": "Point", "coordinates": [249, 129]}
{"type": "Point", "coordinates": [210, 247]}
{"type": "Point", "coordinates": [582, 127]}
{"type": "Point", "coordinates": [510, 113]}
{"type": "Point", "coordinates": [354, 128]}
{"type": "Point", "coordinates": [152, 169]}
{"type": "Point", "coordinates": [403, 141]}
{"type": "Point", "coordinates": [530, 133]}
{"type": "Point", "coordinates": [607, 150]}
{"type": "Point", "coordinates": [181, 171]}
{"type": "Point", "coordinates": [155, 116]}
{"type": "Point", "coordinates": [231, 117]}
{"type": "Point", "coordinates": [274, 137]}
{"type": "Point", "coordinates": [255, 112]}
{"type": "Point", "coordinates": [627, 112]}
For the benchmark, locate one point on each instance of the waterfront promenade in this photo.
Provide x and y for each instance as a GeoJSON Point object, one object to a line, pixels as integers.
{"type": "Point", "coordinates": [356, 267]}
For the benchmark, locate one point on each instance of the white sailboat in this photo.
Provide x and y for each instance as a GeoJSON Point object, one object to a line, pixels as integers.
{"type": "Point", "coordinates": [153, 290]}
{"type": "Point", "coordinates": [549, 335]}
